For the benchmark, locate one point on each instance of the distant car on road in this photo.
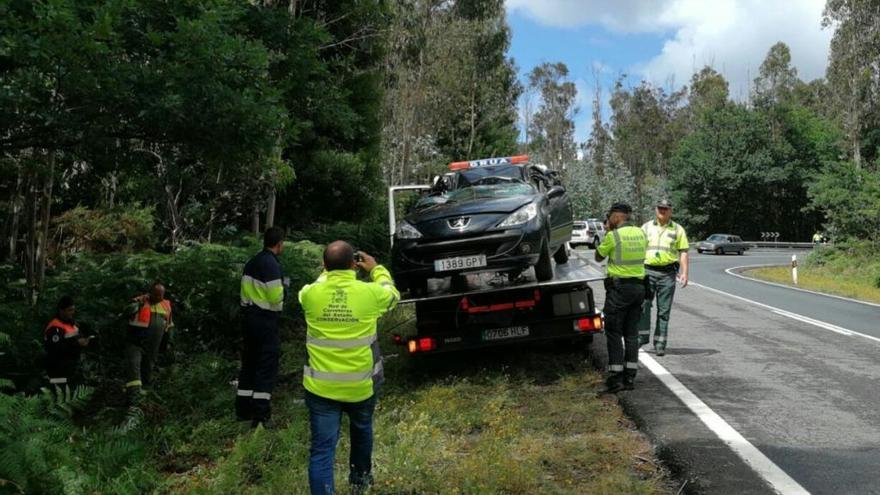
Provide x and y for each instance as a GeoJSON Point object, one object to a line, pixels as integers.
{"type": "Point", "coordinates": [722, 244]}
{"type": "Point", "coordinates": [595, 232]}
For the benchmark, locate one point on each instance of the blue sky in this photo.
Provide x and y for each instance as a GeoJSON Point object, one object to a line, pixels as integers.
{"type": "Point", "coordinates": [663, 41]}
{"type": "Point", "coordinates": [581, 49]}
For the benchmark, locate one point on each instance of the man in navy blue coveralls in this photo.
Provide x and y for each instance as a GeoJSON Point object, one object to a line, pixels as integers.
{"type": "Point", "coordinates": [262, 299]}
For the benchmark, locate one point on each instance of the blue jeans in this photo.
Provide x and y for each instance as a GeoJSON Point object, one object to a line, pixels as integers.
{"type": "Point", "coordinates": [325, 420]}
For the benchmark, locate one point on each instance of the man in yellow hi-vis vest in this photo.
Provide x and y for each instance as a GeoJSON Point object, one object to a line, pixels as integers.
{"type": "Point", "coordinates": [345, 366]}
{"type": "Point", "coordinates": [665, 260]}
{"type": "Point", "coordinates": [624, 246]}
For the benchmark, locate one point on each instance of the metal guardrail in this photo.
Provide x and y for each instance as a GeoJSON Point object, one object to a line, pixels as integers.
{"type": "Point", "coordinates": [781, 244]}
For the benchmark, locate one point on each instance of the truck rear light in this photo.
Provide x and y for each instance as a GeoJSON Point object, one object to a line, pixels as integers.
{"type": "Point", "coordinates": [397, 339]}
{"type": "Point", "coordinates": [592, 324]}
{"type": "Point", "coordinates": [421, 344]}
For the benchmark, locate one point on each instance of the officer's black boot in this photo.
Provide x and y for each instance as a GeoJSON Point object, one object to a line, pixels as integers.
{"type": "Point", "coordinates": [613, 384]}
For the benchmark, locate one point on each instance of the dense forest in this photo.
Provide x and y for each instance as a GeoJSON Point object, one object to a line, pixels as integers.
{"type": "Point", "coordinates": [146, 139]}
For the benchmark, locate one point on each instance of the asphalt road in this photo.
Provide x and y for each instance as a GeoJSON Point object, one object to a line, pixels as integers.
{"type": "Point", "coordinates": [805, 395]}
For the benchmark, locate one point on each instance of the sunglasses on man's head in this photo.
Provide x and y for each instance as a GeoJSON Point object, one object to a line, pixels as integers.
{"type": "Point", "coordinates": [663, 208]}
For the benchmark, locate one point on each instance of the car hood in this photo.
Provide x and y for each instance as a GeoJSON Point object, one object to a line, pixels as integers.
{"type": "Point", "coordinates": [471, 207]}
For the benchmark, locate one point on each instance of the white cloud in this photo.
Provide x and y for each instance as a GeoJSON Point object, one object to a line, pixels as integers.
{"type": "Point", "coordinates": [733, 36]}
{"type": "Point", "coordinates": [619, 15]}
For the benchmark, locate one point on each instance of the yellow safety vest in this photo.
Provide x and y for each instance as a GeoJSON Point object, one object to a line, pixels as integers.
{"type": "Point", "coordinates": [341, 314]}
{"type": "Point", "coordinates": [625, 249]}
{"type": "Point", "coordinates": [665, 242]}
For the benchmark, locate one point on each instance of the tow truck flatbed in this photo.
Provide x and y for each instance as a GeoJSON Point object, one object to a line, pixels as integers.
{"type": "Point", "coordinates": [578, 269]}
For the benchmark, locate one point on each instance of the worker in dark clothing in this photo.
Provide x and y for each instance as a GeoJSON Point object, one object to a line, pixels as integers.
{"type": "Point", "coordinates": [150, 320]}
{"type": "Point", "coordinates": [624, 246]}
{"type": "Point", "coordinates": [63, 343]}
{"type": "Point", "coordinates": [262, 299]}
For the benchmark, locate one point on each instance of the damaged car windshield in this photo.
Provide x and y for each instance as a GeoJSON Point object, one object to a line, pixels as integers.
{"type": "Point", "coordinates": [500, 190]}
{"type": "Point", "coordinates": [476, 175]}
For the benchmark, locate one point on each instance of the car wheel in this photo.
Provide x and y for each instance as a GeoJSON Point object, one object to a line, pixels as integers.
{"type": "Point", "coordinates": [740, 252]}
{"type": "Point", "coordinates": [719, 251]}
{"type": "Point", "coordinates": [561, 255]}
{"type": "Point", "coordinates": [544, 267]}
{"type": "Point", "coordinates": [699, 251]}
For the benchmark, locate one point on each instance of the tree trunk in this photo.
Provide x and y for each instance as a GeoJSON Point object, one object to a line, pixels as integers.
{"type": "Point", "coordinates": [172, 199]}
{"type": "Point", "coordinates": [30, 244]}
{"type": "Point", "coordinates": [470, 148]}
{"type": "Point", "coordinates": [255, 222]}
{"type": "Point", "coordinates": [16, 204]}
{"type": "Point", "coordinates": [270, 209]}
{"type": "Point", "coordinates": [45, 217]}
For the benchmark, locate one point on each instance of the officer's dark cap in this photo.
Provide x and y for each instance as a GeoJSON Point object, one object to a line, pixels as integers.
{"type": "Point", "coordinates": [664, 203]}
{"type": "Point", "coordinates": [620, 207]}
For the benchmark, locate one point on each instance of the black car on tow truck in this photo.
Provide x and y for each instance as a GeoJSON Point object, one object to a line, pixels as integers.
{"type": "Point", "coordinates": [499, 215]}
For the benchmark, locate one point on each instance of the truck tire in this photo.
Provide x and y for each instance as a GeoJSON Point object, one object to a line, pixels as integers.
{"type": "Point", "coordinates": [544, 267]}
{"type": "Point", "coordinates": [561, 255]}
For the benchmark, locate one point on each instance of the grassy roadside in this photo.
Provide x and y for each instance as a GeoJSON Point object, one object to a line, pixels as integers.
{"type": "Point", "coordinates": [512, 420]}
{"type": "Point", "coordinates": [848, 272]}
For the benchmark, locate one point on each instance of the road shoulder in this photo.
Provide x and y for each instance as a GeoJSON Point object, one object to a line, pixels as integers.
{"type": "Point", "coordinates": [693, 453]}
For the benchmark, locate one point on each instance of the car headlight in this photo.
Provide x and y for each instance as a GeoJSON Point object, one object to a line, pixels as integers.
{"type": "Point", "coordinates": [406, 231]}
{"type": "Point", "coordinates": [521, 215]}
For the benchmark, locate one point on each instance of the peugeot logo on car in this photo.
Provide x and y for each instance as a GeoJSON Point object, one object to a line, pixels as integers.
{"type": "Point", "coordinates": [459, 223]}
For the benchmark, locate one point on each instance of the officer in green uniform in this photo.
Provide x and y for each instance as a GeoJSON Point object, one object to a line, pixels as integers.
{"type": "Point", "coordinates": [345, 366]}
{"type": "Point", "coordinates": [666, 259]}
{"type": "Point", "coordinates": [624, 246]}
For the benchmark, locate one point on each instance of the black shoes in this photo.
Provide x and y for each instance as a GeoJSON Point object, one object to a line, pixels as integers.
{"type": "Point", "coordinates": [613, 387]}
{"type": "Point", "coordinates": [629, 384]}
{"type": "Point", "coordinates": [660, 352]}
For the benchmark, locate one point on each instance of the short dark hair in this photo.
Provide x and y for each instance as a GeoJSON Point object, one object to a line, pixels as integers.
{"type": "Point", "coordinates": [621, 207]}
{"type": "Point", "coordinates": [64, 303]}
{"type": "Point", "coordinates": [273, 236]}
{"type": "Point", "coordinates": [338, 255]}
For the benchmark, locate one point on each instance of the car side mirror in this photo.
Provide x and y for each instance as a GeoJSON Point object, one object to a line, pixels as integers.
{"type": "Point", "coordinates": [555, 191]}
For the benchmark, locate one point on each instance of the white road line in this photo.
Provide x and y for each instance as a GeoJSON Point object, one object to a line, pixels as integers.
{"type": "Point", "coordinates": [776, 477]}
{"type": "Point", "coordinates": [795, 316]}
{"type": "Point", "coordinates": [729, 271]}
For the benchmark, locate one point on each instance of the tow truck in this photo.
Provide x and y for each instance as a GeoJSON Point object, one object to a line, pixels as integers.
{"type": "Point", "coordinates": [482, 310]}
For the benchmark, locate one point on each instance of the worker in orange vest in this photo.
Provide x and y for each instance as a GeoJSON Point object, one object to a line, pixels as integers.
{"type": "Point", "coordinates": [150, 320]}
{"type": "Point", "coordinates": [63, 343]}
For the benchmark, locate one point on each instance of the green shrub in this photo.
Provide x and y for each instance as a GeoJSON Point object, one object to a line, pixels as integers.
{"type": "Point", "coordinates": [371, 236]}
{"type": "Point", "coordinates": [43, 450]}
{"type": "Point", "coordinates": [202, 282]}
{"type": "Point", "coordinates": [125, 228]}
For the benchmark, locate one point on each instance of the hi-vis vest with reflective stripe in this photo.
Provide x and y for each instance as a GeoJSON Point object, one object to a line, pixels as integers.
{"type": "Point", "coordinates": [341, 314]}
{"type": "Point", "coordinates": [625, 249]}
{"type": "Point", "coordinates": [141, 318]}
{"type": "Point", "coordinates": [262, 284]}
{"type": "Point", "coordinates": [664, 243]}
{"type": "Point", "coordinates": [70, 330]}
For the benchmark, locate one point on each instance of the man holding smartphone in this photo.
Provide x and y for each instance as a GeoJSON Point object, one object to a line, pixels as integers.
{"type": "Point", "coordinates": [344, 371]}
